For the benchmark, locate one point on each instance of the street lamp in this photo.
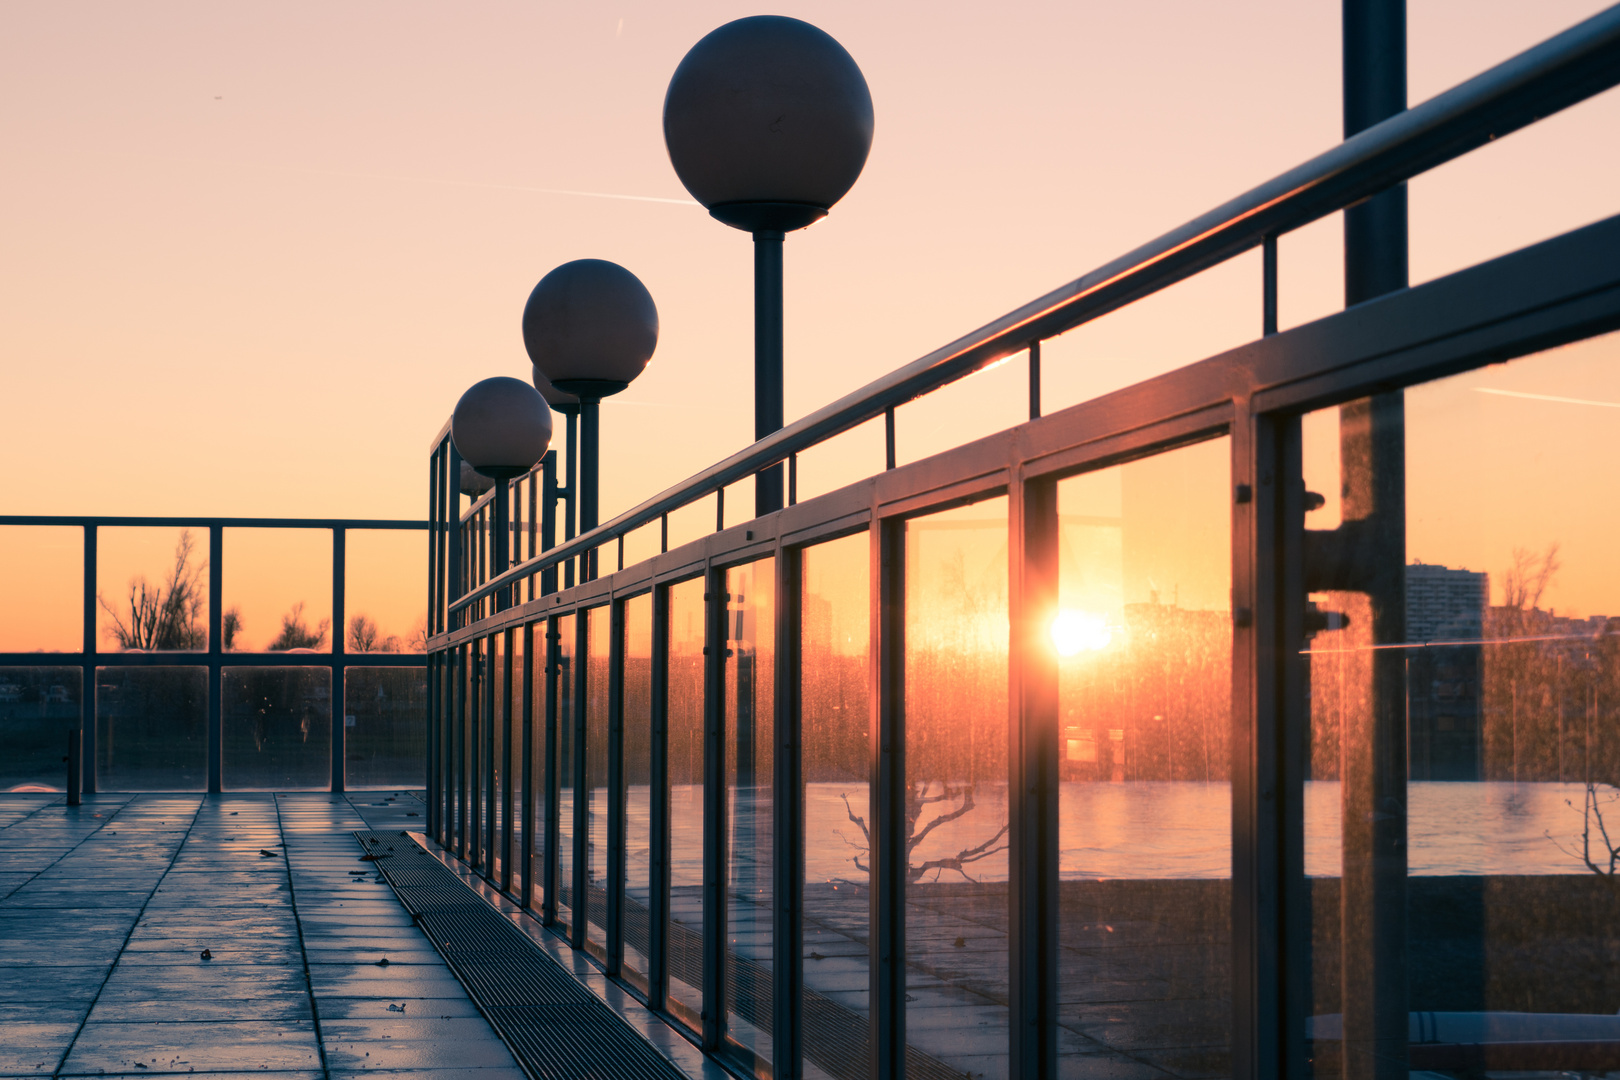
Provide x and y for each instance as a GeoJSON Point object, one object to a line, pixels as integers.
{"type": "Point", "coordinates": [590, 327]}
{"type": "Point", "coordinates": [501, 427]}
{"type": "Point", "coordinates": [768, 122]}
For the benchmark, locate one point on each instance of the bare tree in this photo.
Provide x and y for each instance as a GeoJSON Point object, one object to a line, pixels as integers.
{"type": "Point", "coordinates": [364, 636]}
{"type": "Point", "coordinates": [1607, 859]}
{"type": "Point", "coordinates": [296, 634]}
{"type": "Point", "coordinates": [168, 616]}
{"type": "Point", "coordinates": [919, 795]}
{"type": "Point", "coordinates": [1527, 579]}
{"type": "Point", "coordinates": [229, 626]}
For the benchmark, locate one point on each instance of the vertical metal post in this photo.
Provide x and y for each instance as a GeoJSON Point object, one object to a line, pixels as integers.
{"type": "Point", "coordinates": [1268, 285]}
{"type": "Point", "coordinates": [658, 809]}
{"type": "Point", "coordinates": [793, 479]}
{"type": "Point", "coordinates": [548, 523]}
{"type": "Point", "coordinates": [1035, 380]}
{"type": "Point", "coordinates": [888, 801]}
{"type": "Point", "coordinates": [768, 408]}
{"type": "Point", "coordinates": [590, 477]}
{"type": "Point", "coordinates": [216, 656]}
{"type": "Point", "coordinates": [720, 510]}
{"type": "Point", "coordinates": [581, 907]}
{"type": "Point", "coordinates": [663, 533]}
{"type": "Point", "coordinates": [1372, 449]}
{"type": "Point", "coordinates": [714, 805]}
{"type": "Point", "coordinates": [506, 761]}
{"type": "Point", "coordinates": [453, 541]}
{"type": "Point", "coordinates": [534, 509]}
{"type": "Point", "coordinates": [75, 758]}
{"type": "Point", "coordinates": [572, 415]}
{"type": "Point", "coordinates": [340, 707]}
{"type": "Point", "coordinates": [478, 670]}
{"type": "Point", "coordinates": [526, 899]}
{"type": "Point", "coordinates": [888, 437]}
{"type": "Point", "coordinates": [787, 841]}
{"type": "Point", "coordinates": [616, 790]}
{"type": "Point", "coordinates": [87, 663]}
{"type": "Point", "coordinates": [1032, 843]}
{"type": "Point", "coordinates": [501, 540]}
{"type": "Point", "coordinates": [430, 782]}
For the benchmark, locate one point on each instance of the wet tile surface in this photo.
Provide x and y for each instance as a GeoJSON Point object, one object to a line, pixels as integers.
{"type": "Point", "coordinates": [106, 910]}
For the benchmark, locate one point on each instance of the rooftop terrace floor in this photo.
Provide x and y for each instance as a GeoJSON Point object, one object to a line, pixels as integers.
{"type": "Point", "coordinates": [158, 934]}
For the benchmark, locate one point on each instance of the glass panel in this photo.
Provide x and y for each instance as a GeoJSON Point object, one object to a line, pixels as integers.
{"type": "Point", "coordinates": [494, 788]}
{"type": "Point", "coordinates": [382, 590]}
{"type": "Point", "coordinates": [750, 683]}
{"type": "Point", "coordinates": [599, 638]}
{"type": "Point", "coordinates": [1143, 634]}
{"type": "Point", "coordinates": [685, 948]}
{"type": "Point", "coordinates": [564, 646]}
{"type": "Point", "coordinates": [152, 729]}
{"type": "Point", "coordinates": [151, 589]}
{"type": "Point", "coordinates": [278, 728]}
{"type": "Point", "coordinates": [1461, 801]}
{"type": "Point", "coordinates": [519, 836]}
{"type": "Point", "coordinates": [835, 709]}
{"type": "Point", "coordinates": [956, 787]}
{"type": "Point", "coordinates": [638, 627]}
{"type": "Point", "coordinates": [540, 752]}
{"type": "Point", "coordinates": [38, 707]}
{"type": "Point", "coordinates": [385, 714]}
{"type": "Point", "coordinates": [278, 590]}
{"type": "Point", "coordinates": [42, 588]}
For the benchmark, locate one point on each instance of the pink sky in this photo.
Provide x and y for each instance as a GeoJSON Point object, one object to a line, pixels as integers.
{"type": "Point", "coordinates": [253, 253]}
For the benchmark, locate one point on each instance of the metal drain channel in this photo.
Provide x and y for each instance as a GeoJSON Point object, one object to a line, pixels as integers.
{"type": "Point", "coordinates": [556, 1028]}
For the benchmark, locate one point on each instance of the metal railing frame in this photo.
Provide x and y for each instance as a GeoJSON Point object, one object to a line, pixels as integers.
{"type": "Point", "coordinates": [89, 657]}
{"type": "Point", "coordinates": [1552, 293]}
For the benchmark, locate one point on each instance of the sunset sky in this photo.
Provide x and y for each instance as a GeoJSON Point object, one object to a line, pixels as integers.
{"type": "Point", "coordinates": [253, 253]}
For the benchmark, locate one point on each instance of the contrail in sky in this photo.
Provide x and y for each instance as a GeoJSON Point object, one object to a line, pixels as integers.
{"type": "Point", "coordinates": [1548, 397]}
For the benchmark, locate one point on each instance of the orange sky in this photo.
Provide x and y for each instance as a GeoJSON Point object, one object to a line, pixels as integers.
{"type": "Point", "coordinates": [254, 253]}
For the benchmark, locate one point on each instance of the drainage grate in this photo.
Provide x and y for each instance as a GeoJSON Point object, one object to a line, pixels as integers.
{"type": "Point", "coordinates": [555, 1027]}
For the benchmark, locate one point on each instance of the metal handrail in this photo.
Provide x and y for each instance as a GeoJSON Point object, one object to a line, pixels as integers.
{"type": "Point", "coordinates": [358, 524]}
{"type": "Point", "coordinates": [1563, 70]}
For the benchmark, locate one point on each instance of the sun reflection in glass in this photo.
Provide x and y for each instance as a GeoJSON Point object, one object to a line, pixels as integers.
{"type": "Point", "coordinates": [1074, 632]}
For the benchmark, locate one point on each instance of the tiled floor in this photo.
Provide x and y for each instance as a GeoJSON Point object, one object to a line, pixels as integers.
{"type": "Point", "coordinates": [106, 910]}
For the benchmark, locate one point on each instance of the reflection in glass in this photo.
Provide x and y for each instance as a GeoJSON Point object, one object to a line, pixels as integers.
{"type": "Point", "coordinates": [638, 627]}
{"type": "Point", "coordinates": [38, 707]}
{"type": "Point", "coordinates": [278, 728]}
{"type": "Point", "coordinates": [750, 737]}
{"type": "Point", "coordinates": [598, 642]}
{"type": "Point", "coordinates": [541, 749]}
{"type": "Point", "coordinates": [956, 635]}
{"type": "Point", "coordinates": [151, 590]}
{"type": "Point", "coordinates": [515, 779]}
{"type": "Point", "coordinates": [685, 931]}
{"type": "Point", "coordinates": [385, 713]}
{"type": "Point", "coordinates": [1463, 670]}
{"type": "Point", "coordinates": [834, 705]}
{"type": "Point", "coordinates": [563, 648]}
{"type": "Point", "coordinates": [152, 729]}
{"type": "Point", "coordinates": [1143, 634]}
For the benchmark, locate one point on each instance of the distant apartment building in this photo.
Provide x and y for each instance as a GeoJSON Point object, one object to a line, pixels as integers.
{"type": "Point", "coordinates": [1445, 621]}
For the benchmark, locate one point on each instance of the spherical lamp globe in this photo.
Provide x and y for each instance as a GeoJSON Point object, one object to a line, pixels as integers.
{"type": "Point", "coordinates": [501, 427]}
{"type": "Point", "coordinates": [768, 121]}
{"type": "Point", "coordinates": [556, 398]}
{"type": "Point", "coordinates": [590, 327]}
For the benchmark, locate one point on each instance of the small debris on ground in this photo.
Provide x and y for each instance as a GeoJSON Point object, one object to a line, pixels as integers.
{"type": "Point", "coordinates": [267, 854]}
{"type": "Point", "coordinates": [397, 1008]}
{"type": "Point", "coordinates": [960, 943]}
{"type": "Point", "coordinates": [383, 962]}
{"type": "Point", "coordinates": [206, 955]}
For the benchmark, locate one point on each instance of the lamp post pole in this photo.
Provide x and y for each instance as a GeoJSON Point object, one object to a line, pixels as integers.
{"type": "Point", "coordinates": [768, 408]}
{"type": "Point", "coordinates": [768, 122]}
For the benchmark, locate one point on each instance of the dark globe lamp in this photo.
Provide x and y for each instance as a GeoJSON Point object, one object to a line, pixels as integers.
{"type": "Point", "coordinates": [768, 122]}
{"type": "Point", "coordinates": [501, 427]}
{"type": "Point", "coordinates": [590, 327]}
